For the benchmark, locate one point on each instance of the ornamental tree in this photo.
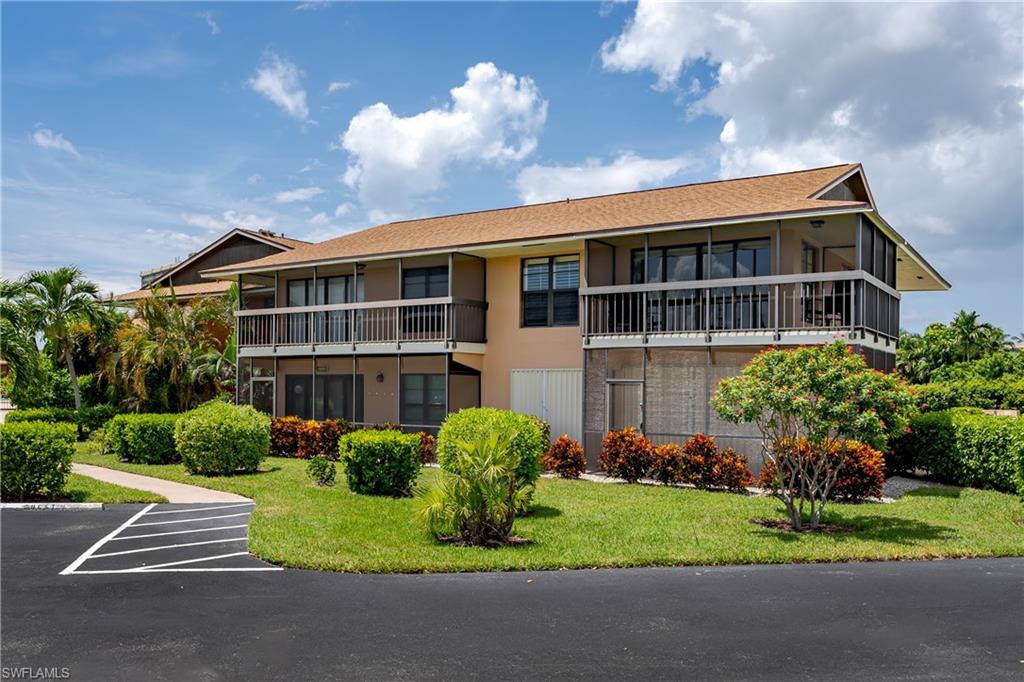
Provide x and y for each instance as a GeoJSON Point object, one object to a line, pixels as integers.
{"type": "Point", "coordinates": [824, 394]}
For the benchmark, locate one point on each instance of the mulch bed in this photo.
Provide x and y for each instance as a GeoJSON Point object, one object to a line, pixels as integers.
{"type": "Point", "coordinates": [779, 524]}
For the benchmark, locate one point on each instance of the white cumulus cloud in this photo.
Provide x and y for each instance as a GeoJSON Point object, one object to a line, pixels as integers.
{"type": "Point", "coordinates": [626, 173]}
{"type": "Point", "coordinates": [337, 86]}
{"type": "Point", "coordinates": [928, 96]}
{"type": "Point", "coordinates": [494, 117]}
{"type": "Point", "coordinates": [228, 220]}
{"type": "Point", "coordinates": [343, 209]}
{"type": "Point", "coordinates": [292, 196]}
{"type": "Point", "coordinates": [47, 139]}
{"type": "Point", "coordinates": [319, 219]}
{"type": "Point", "coordinates": [280, 81]}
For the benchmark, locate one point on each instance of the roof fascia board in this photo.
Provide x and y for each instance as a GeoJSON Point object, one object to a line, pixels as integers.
{"type": "Point", "coordinates": [525, 243]}
{"type": "Point", "coordinates": [901, 242]}
{"type": "Point", "coordinates": [210, 247]}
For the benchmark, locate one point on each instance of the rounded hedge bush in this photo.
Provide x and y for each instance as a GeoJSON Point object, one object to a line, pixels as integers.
{"type": "Point", "coordinates": [220, 438]}
{"type": "Point", "coordinates": [35, 459]}
{"type": "Point", "coordinates": [142, 438]}
{"type": "Point", "coordinates": [380, 462]}
{"type": "Point", "coordinates": [473, 423]}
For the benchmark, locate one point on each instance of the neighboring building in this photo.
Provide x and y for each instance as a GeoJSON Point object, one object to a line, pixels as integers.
{"type": "Point", "coordinates": [593, 313]}
{"type": "Point", "coordinates": [237, 246]}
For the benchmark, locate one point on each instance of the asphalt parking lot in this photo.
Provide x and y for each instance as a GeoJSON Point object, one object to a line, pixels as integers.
{"type": "Point", "coordinates": [890, 620]}
{"type": "Point", "coordinates": [174, 538]}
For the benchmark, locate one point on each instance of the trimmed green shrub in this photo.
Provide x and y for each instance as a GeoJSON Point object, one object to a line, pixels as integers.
{"type": "Point", "coordinates": [964, 446]}
{"type": "Point", "coordinates": [35, 459]}
{"type": "Point", "coordinates": [472, 423]}
{"type": "Point", "coordinates": [565, 458]}
{"type": "Point", "coordinates": [220, 438]}
{"type": "Point", "coordinates": [380, 462]}
{"type": "Point", "coordinates": [321, 470]}
{"type": "Point", "coordinates": [88, 419]}
{"type": "Point", "coordinates": [142, 438]}
{"type": "Point", "coordinates": [1004, 393]}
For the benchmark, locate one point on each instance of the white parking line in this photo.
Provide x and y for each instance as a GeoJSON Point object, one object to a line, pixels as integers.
{"type": "Point", "coordinates": [176, 532]}
{"type": "Point", "coordinates": [153, 549]}
{"type": "Point", "coordinates": [99, 543]}
{"type": "Point", "coordinates": [190, 561]}
{"type": "Point", "coordinates": [171, 566]}
{"type": "Point", "coordinates": [202, 518]}
{"type": "Point", "coordinates": [217, 508]}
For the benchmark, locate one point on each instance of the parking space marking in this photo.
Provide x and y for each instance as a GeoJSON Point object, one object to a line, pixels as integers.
{"type": "Point", "coordinates": [102, 541]}
{"type": "Point", "coordinates": [202, 518]}
{"type": "Point", "coordinates": [181, 549]}
{"type": "Point", "coordinates": [176, 532]}
{"type": "Point", "coordinates": [153, 549]}
{"type": "Point", "coordinates": [196, 509]}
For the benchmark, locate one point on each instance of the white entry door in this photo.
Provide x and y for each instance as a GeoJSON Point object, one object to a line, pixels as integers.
{"type": "Point", "coordinates": [554, 395]}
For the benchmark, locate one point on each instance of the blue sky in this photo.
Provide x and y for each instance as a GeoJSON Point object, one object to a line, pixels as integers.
{"type": "Point", "coordinates": [134, 133]}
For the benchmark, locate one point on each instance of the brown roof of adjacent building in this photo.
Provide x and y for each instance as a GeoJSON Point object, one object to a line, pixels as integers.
{"type": "Point", "coordinates": [761, 196]}
{"type": "Point", "coordinates": [276, 238]}
{"type": "Point", "coordinates": [183, 291]}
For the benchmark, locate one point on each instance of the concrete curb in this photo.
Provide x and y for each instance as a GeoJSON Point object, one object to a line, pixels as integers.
{"type": "Point", "coordinates": [59, 506]}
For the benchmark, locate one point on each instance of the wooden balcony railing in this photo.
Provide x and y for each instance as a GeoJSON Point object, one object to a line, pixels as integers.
{"type": "Point", "coordinates": [437, 320]}
{"type": "Point", "coordinates": [826, 302]}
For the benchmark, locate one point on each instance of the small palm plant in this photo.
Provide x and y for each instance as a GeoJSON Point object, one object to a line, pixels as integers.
{"type": "Point", "coordinates": [475, 502]}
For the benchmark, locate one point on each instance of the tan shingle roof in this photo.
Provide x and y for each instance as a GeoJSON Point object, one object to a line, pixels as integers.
{"type": "Point", "coordinates": [721, 200]}
{"type": "Point", "coordinates": [181, 291]}
{"type": "Point", "coordinates": [277, 238]}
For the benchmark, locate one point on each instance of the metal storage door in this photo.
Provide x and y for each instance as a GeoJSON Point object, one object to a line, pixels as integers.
{"type": "Point", "coordinates": [554, 395]}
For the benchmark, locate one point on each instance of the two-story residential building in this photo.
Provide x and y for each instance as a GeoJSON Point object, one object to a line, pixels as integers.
{"type": "Point", "coordinates": [593, 313]}
{"type": "Point", "coordinates": [238, 245]}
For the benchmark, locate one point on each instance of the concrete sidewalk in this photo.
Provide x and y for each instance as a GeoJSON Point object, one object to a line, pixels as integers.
{"type": "Point", "coordinates": [174, 492]}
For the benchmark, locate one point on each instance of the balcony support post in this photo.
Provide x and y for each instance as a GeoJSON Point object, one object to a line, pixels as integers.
{"type": "Point", "coordinates": [449, 309]}
{"type": "Point", "coordinates": [352, 318]}
{"type": "Point", "coordinates": [273, 318]}
{"type": "Point", "coordinates": [858, 265]}
{"type": "Point", "coordinates": [778, 271]}
{"type": "Point", "coordinates": [312, 391]}
{"type": "Point", "coordinates": [312, 315]}
{"type": "Point", "coordinates": [398, 311]}
{"type": "Point", "coordinates": [238, 327]}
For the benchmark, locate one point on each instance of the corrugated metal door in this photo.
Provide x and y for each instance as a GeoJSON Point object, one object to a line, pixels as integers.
{"type": "Point", "coordinates": [554, 395]}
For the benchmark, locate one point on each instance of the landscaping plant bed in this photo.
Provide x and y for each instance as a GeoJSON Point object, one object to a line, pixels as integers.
{"type": "Point", "coordinates": [579, 524]}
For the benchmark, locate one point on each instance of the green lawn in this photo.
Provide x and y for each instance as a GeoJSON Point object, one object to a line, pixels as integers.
{"type": "Point", "coordinates": [579, 524]}
{"type": "Point", "coordinates": [84, 489]}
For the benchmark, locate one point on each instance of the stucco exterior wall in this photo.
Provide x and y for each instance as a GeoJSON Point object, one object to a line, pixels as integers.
{"type": "Point", "coordinates": [510, 346]}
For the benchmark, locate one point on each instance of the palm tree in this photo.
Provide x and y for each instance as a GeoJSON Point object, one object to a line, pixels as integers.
{"type": "Point", "coordinates": [170, 345]}
{"type": "Point", "coordinates": [17, 344]}
{"type": "Point", "coordinates": [57, 300]}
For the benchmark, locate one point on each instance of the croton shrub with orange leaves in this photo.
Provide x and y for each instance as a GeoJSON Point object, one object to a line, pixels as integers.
{"type": "Point", "coordinates": [284, 436]}
{"type": "Point", "coordinates": [700, 463]}
{"type": "Point", "coordinates": [861, 470]}
{"type": "Point", "coordinates": [565, 458]}
{"type": "Point", "coordinates": [626, 454]}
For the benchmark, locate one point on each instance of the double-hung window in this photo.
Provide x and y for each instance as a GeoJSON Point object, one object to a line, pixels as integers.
{"type": "Point", "coordinates": [550, 291]}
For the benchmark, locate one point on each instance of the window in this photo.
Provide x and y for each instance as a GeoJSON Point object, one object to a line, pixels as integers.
{"type": "Point", "coordinates": [425, 282]}
{"type": "Point", "coordinates": [423, 399]}
{"type": "Point", "coordinates": [333, 400]}
{"type": "Point", "coordinates": [551, 291]}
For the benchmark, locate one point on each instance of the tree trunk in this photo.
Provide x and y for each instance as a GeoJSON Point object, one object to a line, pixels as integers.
{"type": "Point", "coordinates": [74, 377]}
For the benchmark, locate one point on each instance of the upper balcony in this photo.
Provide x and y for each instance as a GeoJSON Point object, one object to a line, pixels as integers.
{"type": "Point", "coordinates": [412, 305]}
{"type": "Point", "coordinates": [753, 284]}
